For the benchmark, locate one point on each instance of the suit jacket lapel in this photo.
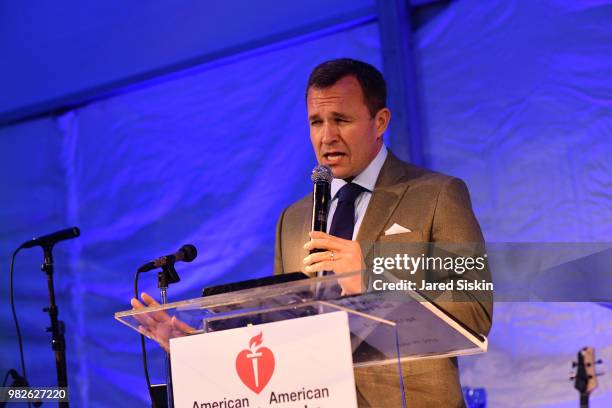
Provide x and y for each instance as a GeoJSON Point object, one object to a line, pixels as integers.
{"type": "Point", "coordinates": [388, 192]}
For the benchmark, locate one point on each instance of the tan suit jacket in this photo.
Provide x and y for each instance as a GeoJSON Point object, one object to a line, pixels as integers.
{"type": "Point", "coordinates": [436, 208]}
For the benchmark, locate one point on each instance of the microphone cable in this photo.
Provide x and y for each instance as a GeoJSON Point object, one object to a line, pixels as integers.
{"type": "Point", "coordinates": [143, 347]}
{"type": "Point", "coordinates": [12, 300]}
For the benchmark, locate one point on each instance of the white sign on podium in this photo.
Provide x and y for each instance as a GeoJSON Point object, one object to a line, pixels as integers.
{"type": "Point", "coordinates": [303, 362]}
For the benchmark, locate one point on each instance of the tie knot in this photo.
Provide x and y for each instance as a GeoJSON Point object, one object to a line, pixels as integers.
{"type": "Point", "coordinates": [349, 192]}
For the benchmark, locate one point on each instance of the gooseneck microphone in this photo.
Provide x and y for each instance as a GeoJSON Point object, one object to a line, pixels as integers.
{"type": "Point", "coordinates": [167, 276]}
{"type": "Point", "coordinates": [187, 253]}
{"type": "Point", "coordinates": [53, 238]}
{"type": "Point", "coordinates": [57, 328]}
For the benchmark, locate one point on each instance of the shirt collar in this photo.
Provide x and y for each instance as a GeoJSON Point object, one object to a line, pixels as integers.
{"type": "Point", "coordinates": [367, 178]}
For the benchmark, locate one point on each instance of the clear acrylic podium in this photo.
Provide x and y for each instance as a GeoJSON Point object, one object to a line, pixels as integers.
{"type": "Point", "coordinates": [386, 328]}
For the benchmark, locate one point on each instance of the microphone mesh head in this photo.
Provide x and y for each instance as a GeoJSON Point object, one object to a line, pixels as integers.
{"type": "Point", "coordinates": [190, 252]}
{"type": "Point", "coordinates": [321, 173]}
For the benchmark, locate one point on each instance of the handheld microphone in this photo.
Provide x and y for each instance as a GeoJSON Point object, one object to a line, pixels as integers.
{"type": "Point", "coordinates": [321, 178]}
{"type": "Point", "coordinates": [321, 195]}
{"type": "Point", "coordinates": [53, 238]}
{"type": "Point", "coordinates": [187, 253]}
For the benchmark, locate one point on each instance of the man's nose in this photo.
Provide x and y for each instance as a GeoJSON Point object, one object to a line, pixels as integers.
{"type": "Point", "coordinates": [330, 133]}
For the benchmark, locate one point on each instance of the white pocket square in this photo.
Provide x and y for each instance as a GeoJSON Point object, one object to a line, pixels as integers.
{"type": "Point", "coordinates": [397, 229]}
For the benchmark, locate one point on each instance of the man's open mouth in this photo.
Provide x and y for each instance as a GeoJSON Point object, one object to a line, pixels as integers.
{"type": "Point", "coordinates": [333, 157]}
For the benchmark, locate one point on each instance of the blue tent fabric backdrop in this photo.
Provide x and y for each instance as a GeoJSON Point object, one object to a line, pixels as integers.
{"type": "Point", "coordinates": [520, 110]}
{"type": "Point", "coordinates": [210, 158]}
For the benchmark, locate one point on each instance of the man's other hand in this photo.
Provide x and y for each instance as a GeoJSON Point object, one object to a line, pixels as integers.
{"type": "Point", "coordinates": [159, 326]}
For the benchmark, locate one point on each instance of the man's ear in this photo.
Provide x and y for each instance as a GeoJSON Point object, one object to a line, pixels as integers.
{"type": "Point", "coordinates": [382, 119]}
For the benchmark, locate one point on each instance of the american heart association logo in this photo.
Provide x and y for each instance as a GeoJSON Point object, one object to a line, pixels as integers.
{"type": "Point", "coordinates": [255, 365]}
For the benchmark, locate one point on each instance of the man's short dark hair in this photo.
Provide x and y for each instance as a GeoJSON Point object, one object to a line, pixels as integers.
{"type": "Point", "coordinates": [371, 80]}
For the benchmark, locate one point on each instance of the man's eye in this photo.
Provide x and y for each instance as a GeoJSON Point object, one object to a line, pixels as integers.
{"type": "Point", "coordinates": [315, 122]}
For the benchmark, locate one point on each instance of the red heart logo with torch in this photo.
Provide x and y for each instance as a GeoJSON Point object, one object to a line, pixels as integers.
{"type": "Point", "coordinates": [255, 365]}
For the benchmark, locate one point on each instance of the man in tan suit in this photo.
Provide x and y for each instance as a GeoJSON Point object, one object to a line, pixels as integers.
{"type": "Point", "coordinates": [346, 102]}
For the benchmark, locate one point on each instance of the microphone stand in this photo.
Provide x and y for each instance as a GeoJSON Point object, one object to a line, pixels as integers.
{"type": "Point", "coordinates": [57, 329]}
{"type": "Point", "coordinates": [166, 277]}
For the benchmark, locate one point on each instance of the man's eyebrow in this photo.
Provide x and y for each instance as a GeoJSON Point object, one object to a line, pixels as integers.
{"type": "Point", "coordinates": [340, 115]}
{"type": "Point", "coordinates": [334, 114]}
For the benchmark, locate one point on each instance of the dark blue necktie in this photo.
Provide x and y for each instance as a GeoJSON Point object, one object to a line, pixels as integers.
{"type": "Point", "coordinates": [342, 226]}
{"type": "Point", "coordinates": [343, 223]}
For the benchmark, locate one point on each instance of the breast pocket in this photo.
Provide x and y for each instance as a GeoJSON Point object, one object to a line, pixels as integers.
{"type": "Point", "coordinates": [412, 236]}
{"type": "Point", "coordinates": [405, 243]}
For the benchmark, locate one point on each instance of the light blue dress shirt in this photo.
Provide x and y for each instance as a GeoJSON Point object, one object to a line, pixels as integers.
{"type": "Point", "coordinates": [366, 179]}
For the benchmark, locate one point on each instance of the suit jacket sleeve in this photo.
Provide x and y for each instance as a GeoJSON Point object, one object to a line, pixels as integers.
{"type": "Point", "coordinates": [455, 222]}
{"type": "Point", "coordinates": [278, 254]}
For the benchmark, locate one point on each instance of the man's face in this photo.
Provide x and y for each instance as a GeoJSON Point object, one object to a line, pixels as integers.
{"type": "Point", "coordinates": [343, 134]}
